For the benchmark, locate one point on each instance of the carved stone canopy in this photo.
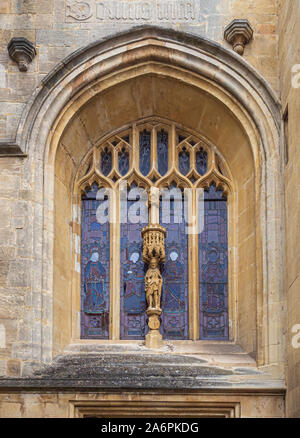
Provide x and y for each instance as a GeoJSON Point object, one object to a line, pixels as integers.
{"type": "Point", "coordinates": [21, 51]}
{"type": "Point", "coordinates": [154, 243]}
{"type": "Point", "coordinates": [238, 33]}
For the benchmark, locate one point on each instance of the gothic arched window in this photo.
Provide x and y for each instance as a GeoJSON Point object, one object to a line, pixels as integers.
{"type": "Point", "coordinates": [186, 169]}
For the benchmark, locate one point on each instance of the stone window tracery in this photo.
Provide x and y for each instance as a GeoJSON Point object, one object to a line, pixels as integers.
{"type": "Point", "coordinates": [161, 154]}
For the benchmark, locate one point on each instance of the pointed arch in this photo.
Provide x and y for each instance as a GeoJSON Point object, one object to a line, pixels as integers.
{"type": "Point", "coordinates": [231, 91]}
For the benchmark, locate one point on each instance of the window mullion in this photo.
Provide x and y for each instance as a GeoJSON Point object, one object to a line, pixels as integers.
{"type": "Point", "coordinates": [193, 271]}
{"type": "Point", "coordinates": [114, 319]}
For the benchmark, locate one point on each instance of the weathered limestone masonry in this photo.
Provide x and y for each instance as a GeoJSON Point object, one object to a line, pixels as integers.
{"type": "Point", "coordinates": [57, 30]}
{"type": "Point", "coordinates": [289, 57]}
{"type": "Point", "coordinates": [36, 322]}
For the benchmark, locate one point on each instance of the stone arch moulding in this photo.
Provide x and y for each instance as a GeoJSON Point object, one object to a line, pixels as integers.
{"type": "Point", "coordinates": [203, 65]}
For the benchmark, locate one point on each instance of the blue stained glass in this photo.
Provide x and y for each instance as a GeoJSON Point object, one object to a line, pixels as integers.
{"type": "Point", "coordinates": [201, 161]}
{"type": "Point", "coordinates": [181, 138]}
{"type": "Point", "coordinates": [145, 152]}
{"type": "Point", "coordinates": [175, 280]}
{"type": "Point", "coordinates": [162, 152]}
{"type": "Point", "coordinates": [133, 269]}
{"type": "Point", "coordinates": [123, 162]}
{"type": "Point", "coordinates": [94, 270]}
{"type": "Point", "coordinates": [184, 161]}
{"type": "Point", "coordinates": [213, 263]}
{"type": "Point", "coordinates": [106, 161]}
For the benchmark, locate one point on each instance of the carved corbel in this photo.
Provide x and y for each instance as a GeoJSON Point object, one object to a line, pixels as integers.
{"type": "Point", "coordinates": [153, 255]}
{"type": "Point", "coordinates": [238, 33]}
{"type": "Point", "coordinates": [22, 52]}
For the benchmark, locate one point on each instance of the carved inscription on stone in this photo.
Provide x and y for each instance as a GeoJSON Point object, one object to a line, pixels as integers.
{"type": "Point", "coordinates": [79, 10]}
{"type": "Point", "coordinates": [135, 11]}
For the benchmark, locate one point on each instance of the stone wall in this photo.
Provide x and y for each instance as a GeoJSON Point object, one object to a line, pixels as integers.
{"type": "Point", "coordinates": [289, 56]}
{"type": "Point", "coordinates": [53, 27]}
{"type": "Point", "coordinates": [50, 404]}
{"type": "Point", "coordinates": [16, 271]}
{"type": "Point", "coordinates": [58, 28]}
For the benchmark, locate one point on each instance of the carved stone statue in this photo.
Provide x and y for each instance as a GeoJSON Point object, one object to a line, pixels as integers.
{"type": "Point", "coordinates": [153, 285]}
{"type": "Point", "coordinates": [154, 255]}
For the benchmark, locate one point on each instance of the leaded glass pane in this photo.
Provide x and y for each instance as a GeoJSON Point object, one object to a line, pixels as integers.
{"type": "Point", "coordinates": [181, 138]}
{"type": "Point", "coordinates": [106, 161]}
{"type": "Point", "coordinates": [123, 161]}
{"type": "Point", "coordinates": [94, 270]}
{"type": "Point", "coordinates": [175, 278]}
{"type": "Point", "coordinates": [184, 161]}
{"type": "Point", "coordinates": [213, 263]}
{"type": "Point", "coordinates": [201, 161]}
{"type": "Point", "coordinates": [133, 297]}
{"type": "Point", "coordinates": [162, 152]}
{"type": "Point", "coordinates": [145, 152]}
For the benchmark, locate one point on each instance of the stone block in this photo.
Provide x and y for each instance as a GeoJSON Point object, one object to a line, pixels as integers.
{"type": "Point", "coordinates": [29, 367]}
{"type": "Point", "coordinates": [13, 368]}
{"type": "Point", "coordinates": [25, 241]}
{"type": "Point", "coordinates": [10, 410]}
{"type": "Point", "coordinates": [26, 351]}
{"type": "Point", "coordinates": [19, 273]}
{"type": "Point", "coordinates": [17, 22]}
{"type": "Point", "coordinates": [22, 86]}
{"type": "Point", "coordinates": [7, 253]}
{"type": "Point", "coordinates": [49, 57]}
{"type": "Point", "coordinates": [2, 76]}
{"type": "Point", "coordinates": [61, 38]}
{"type": "Point", "coordinates": [266, 29]}
{"type": "Point", "coordinates": [3, 127]}
{"type": "Point", "coordinates": [9, 182]}
{"type": "Point", "coordinates": [11, 111]}
{"type": "Point", "coordinates": [12, 298]}
{"type": "Point", "coordinates": [21, 208]}
{"type": "Point", "coordinates": [2, 369]}
{"type": "Point", "coordinates": [54, 410]}
{"type": "Point", "coordinates": [2, 336]}
{"type": "Point", "coordinates": [213, 7]}
{"type": "Point", "coordinates": [31, 6]}
{"type": "Point", "coordinates": [5, 7]}
{"type": "Point", "coordinates": [5, 217]}
{"type": "Point", "coordinates": [18, 222]}
{"type": "Point", "coordinates": [4, 268]}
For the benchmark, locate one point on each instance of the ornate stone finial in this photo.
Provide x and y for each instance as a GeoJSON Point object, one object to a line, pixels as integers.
{"type": "Point", "coordinates": [154, 255]}
{"type": "Point", "coordinates": [238, 33]}
{"type": "Point", "coordinates": [21, 51]}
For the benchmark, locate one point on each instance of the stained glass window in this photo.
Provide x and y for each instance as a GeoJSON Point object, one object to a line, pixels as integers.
{"type": "Point", "coordinates": [201, 161]}
{"type": "Point", "coordinates": [213, 264]}
{"type": "Point", "coordinates": [184, 161]}
{"type": "Point", "coordinates": [162, 152]}
{"type": "Point", "coordinates": [98, 289]}
{"type": "Point", "coordinates": [133, 269]}
{"type": "Point", "coordinates": [94, 270]}
{"type": "Point", "coordinates": [175, 277]}
{"type": "Point", "coordinates": [145, 152]}
{"type": "Point", "coordinates": [106, 161]}
{"type": "Point", "coordinates": [123, 161]}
